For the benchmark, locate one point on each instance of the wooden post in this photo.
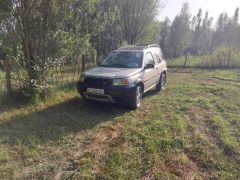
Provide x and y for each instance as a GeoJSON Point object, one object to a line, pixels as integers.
{"type": "Point", "coordinates": [8, 77]}
{"type": "Point", "coordinates": [185, 62]}
{"type": "Point", "coordinates": [229, 57]}
{"type": "Point", "coordinates": [83, 63]}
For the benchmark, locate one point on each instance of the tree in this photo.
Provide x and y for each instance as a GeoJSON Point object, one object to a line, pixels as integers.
{"type": "Point", "coordinates": [164, 36]}
{"type": "Point", "coordinates": [136, 17]}
{"type": "Point", "coordinates": [227, 34]}
{"type": "Point", "coordinates": [8, 42]}
{"type": "Point", "coordinates": [219, 37]}
{"type": "Point", "coordinates": [180, 33]}
{"type": "Point", "coordinates": [197, 34]}
{"type": "Point", "coordinates": [206, 35]}
{"type": "Point", "coordinates": [236, 29]}
{"type": "Point", "coordinates": [37, 25]}
{"type": "Point", "coordinates": [111, 36]}
{"type": "Point", "coordinates": [50, 32]}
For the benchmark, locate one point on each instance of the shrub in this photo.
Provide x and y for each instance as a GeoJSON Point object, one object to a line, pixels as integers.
{"type": "Point", "coordinates": [223, 57]}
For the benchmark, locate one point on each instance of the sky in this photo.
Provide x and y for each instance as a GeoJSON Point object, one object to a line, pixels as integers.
{"type": "Point", "coordinates": [214, 7]}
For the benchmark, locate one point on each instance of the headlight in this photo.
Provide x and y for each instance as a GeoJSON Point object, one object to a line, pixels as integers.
{"type": "Point", "coordinates": [121, 82]}
{"type": "Point", "coordinates": [82, 78]}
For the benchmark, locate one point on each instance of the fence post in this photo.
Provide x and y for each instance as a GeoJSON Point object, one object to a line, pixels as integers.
{"type": "Point", "coordinates": [8, 77]}
{"type": "Point", "coordinates": [83, 63]}
{"type": "Point", "coordinates": [185, 61]}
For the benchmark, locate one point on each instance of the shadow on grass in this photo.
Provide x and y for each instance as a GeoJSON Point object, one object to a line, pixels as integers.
{"type": "Point", "coordinates": [150, 93]}
{"type": "Point", "coordinates": [56, 122]}
{"type": "Point", "coordinates": [8, 103]}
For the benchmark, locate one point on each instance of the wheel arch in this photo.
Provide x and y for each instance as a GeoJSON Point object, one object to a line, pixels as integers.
{"type": "Point", "coordinates": [164, 72]}
{"type": "Point", "coordinates": [140, 83]}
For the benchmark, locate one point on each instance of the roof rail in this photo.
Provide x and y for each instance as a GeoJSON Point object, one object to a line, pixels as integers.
{"type": "Point", "coordinates": [153, 45]}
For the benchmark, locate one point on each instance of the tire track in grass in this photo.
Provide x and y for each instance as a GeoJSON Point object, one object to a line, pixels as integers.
{"type": "Point", "coordinates": [94, 149]}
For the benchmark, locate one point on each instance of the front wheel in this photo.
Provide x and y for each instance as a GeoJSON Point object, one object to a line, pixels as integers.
{"type": "Point", "coordinates": [162, 82]}
{"type": "Point", "coordinates": [83, 97]}
{"type": "Point", "coordinates": [135, 101]}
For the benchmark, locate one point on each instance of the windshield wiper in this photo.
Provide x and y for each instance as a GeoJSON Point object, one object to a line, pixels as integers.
{"type": "Point", "coordinates": [104, 65]}
{"type": "Point", "coordinates": [114, 66]}
{"type": "Point", "coordinates": [119, 65]}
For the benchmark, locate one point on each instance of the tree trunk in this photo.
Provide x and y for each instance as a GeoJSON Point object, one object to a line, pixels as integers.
{"type": "Point", "coordinates": [8, 77]}
{"type": "Point", "coordinates": [185, 62]}
{"type": "Point", "coordinates": [83, 63]}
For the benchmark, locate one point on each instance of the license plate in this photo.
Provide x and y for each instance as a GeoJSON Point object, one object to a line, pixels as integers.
{"type": "Point", "coordinates": [95, 91]}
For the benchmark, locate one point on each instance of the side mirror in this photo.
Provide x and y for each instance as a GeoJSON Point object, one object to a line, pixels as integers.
{"type": "Point", "coordinates": [149, 66]}
{"type": "Point", "coordinates": [99, 63]}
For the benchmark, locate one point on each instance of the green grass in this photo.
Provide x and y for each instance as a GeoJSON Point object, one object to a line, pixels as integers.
{"type": "Point", "coordinates": [188, 131]}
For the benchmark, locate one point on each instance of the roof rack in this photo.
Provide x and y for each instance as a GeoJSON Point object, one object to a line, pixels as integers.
{"type": "Point", "coordinates": [128, 46]}
{"type": "Point", "coordinates": [153, 45]}
{"type": "Point", "coordinates": [149, 46]}
{"type": "Point", "coordinates": [138, 47]}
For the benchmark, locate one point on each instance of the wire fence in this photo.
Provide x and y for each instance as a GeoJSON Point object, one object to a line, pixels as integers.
{"type": "Point", "coordinates": [66, 74]}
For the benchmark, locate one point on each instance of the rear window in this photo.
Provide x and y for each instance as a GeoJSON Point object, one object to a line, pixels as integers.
{"type": "Point", "coordinates": [157, 55]}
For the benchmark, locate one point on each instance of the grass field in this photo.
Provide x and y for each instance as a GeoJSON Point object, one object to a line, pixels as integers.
{"type": "Point", "coordinates": [189, 131]}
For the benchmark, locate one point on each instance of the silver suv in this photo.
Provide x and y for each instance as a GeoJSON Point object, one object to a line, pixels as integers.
{"type": "Point", "coordinates": [125, 75]}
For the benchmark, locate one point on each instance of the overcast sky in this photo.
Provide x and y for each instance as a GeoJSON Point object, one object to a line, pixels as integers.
{"type": "Point", "coordinates": [214, 7]}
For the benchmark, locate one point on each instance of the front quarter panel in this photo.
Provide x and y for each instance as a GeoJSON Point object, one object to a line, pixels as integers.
{"type": "Point", "coordinates": [137, 78]}
{"type": "Point", "coordinates": [164, 65]}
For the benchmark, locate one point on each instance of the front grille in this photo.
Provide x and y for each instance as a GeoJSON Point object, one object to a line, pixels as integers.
{"type": "Point", "coordinates": [98, 82]}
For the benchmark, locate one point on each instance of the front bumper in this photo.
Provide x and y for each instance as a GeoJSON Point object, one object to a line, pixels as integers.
{"type": "Point", "coordinates": [112, 93]}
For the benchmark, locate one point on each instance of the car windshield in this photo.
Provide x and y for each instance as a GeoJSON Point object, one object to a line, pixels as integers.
{"type": "Point", "coordinates": [124, 60]}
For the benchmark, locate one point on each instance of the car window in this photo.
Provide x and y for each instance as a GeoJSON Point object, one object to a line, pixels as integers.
{"type": "Point", "coordinates": [149, 59]}
{"type": "Point", "coordinates": [157, 55]}
{"type": "Point", "coordinates": [157, 58]}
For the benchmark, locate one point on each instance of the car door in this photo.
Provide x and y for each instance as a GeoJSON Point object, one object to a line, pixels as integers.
{"type": "Point", "coordinates": [149, 73]}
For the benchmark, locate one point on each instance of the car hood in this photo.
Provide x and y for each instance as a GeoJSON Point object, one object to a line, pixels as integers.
{"type": "Point", "coordinates": [111, 73]}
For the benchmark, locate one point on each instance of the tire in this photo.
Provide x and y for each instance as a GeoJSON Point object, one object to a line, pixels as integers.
{"type": "Point", "coordinates": [135, 101]}
{"type": "Point", "coordinates": [83, 96]}
{"type": "Point", "coordinates": [162, 82]}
